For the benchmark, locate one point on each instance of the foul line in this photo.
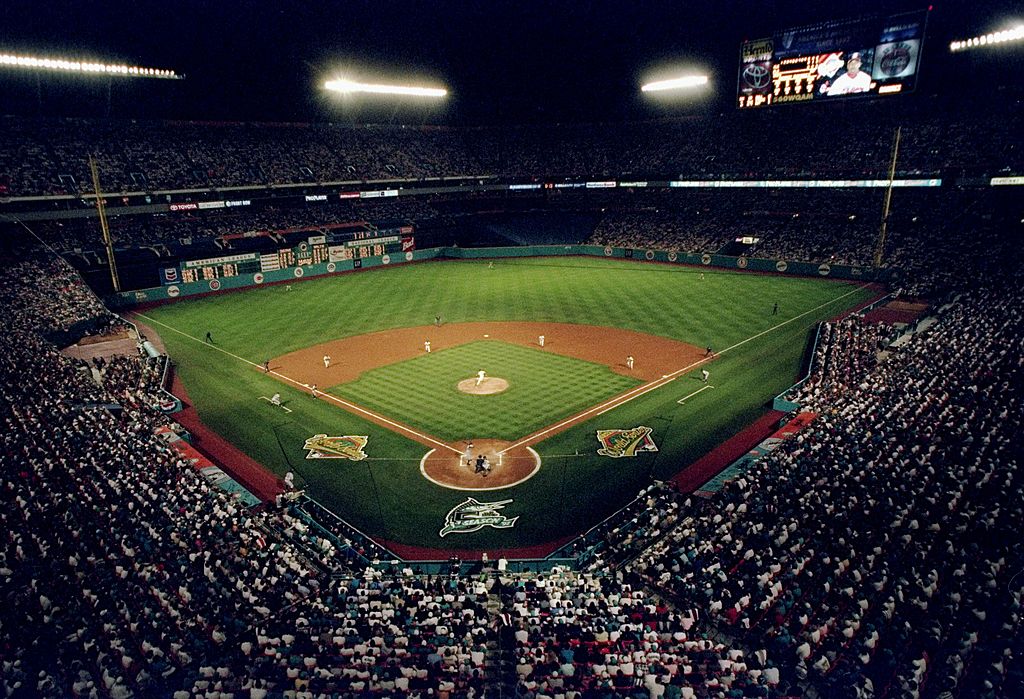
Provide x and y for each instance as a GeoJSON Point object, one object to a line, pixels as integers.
{"type": "Point", "coordinates": [343, 403]}
{"type": "Point", "coordinates": [639, 391]}
{"type": "Point", "coordinates": [595, 411]}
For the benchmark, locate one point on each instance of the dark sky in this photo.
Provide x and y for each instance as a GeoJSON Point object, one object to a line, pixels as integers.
{"type": "Point", "coordinates": [503, 61]}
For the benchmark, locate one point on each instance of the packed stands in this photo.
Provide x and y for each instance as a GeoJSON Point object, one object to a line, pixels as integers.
{"type": "Point", "coordinates": [50, 156]}
{"type": "Point", "coordinates": [876, 554]}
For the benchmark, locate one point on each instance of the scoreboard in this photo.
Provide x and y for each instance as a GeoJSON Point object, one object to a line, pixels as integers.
{"type": "Point", "coordinates": [335, 246]}
{"type": "Point", "coordinates": [876, 55]}
{"type": "Point", "coordinates": [217, 267]}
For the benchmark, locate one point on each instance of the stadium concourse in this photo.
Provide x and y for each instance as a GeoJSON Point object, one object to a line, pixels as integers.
{"type": "Point", "coordinates": [875, 554]}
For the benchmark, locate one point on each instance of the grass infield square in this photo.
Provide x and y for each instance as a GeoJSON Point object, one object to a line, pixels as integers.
{"type": "Point", "coordinates": [543, 388]}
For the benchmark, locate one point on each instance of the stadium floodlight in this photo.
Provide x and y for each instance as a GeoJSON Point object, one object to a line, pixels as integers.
{"type": "Point", "coordinates": [8, 60]}
{"type": "Point", "coordinates": [1013, 34]}
{"type": "Point", "coordinates": [346, 86]}
{"type": "Point", "coordinates": [675, 83]}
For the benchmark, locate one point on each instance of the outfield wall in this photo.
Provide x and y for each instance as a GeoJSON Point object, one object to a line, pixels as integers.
{"type": "Point", "coordinates": [294, 274]}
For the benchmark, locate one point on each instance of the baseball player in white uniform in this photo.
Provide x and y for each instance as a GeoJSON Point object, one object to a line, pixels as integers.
{"type": "Point", "coordinates": [426, 346]}
{"type": "Point", "coordinates": [480, 376]}
{"type": "Point", "coordinates": [327, 361]}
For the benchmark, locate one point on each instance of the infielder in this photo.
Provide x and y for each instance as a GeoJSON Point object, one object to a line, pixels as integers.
{"type": "Point", "coordinates": [704, 374]}
{"type": "Point", "coordinates": [327, 361]}
{"type": "Point", "coordinates": [312, 391]}
{"type": "Point", "coordinates": [540, 340]}
{"type": "Point", "coordinates": [276, 399]}
{"type": "Point", "coordinates": [480, 376]}
{"type": "Point", "coordinates": [629, 362]}
{"type": "Point", "coordinates": [426, 346]}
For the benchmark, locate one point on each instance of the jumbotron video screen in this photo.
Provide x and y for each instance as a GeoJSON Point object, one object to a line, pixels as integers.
{"type": "Point", "coordinates": [867, 56]}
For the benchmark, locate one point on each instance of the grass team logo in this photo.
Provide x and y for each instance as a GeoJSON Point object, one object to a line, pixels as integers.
{"type": "Point", "coordinates": [619, 443]}
{"type": "Point", "coordinates": [348, 447]}
{"type": "Point", "coordinates": [473, 515]}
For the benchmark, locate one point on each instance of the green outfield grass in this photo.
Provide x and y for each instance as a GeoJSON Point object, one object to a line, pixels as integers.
{"type": "Point", "coordinates": [543, 387]}
{"type": "Point", "coordinates": [761, 355]}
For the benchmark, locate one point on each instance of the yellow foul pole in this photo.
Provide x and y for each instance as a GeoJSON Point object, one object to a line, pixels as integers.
{"type": "Point", "coordinates": [101, 209]}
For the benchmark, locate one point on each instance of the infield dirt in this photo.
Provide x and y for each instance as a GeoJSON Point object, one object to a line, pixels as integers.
{"type": "Point", "coordinates": [654, 357]}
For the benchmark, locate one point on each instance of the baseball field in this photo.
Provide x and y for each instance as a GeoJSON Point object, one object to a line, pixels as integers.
{"type": "Point", "coordinates": [526, 421]}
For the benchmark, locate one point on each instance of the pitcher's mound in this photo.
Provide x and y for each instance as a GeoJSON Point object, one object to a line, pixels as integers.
{"type": "Point", "coordinates": [488, 386]}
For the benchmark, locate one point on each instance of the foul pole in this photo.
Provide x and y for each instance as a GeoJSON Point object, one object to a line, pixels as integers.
{"type": "Point", "coordinates": [880, 245]}
{"type": "Point", "coordinates": [101, 209]}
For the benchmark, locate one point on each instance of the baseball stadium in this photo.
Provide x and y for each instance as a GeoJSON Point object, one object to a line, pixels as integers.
{"type": "Point", "coordinates": [444, 352]}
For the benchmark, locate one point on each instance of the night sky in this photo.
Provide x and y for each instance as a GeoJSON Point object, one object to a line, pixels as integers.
{"type": "Point", "coordinates": [503, 62]}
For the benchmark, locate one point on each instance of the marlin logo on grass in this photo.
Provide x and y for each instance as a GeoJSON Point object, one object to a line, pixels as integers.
{"type": "Point", "coordinates": [473, 515]}
{"type": "Point", "coordinates": [619, 443]}
{"type": "Point", "coordinates": [348, 447]}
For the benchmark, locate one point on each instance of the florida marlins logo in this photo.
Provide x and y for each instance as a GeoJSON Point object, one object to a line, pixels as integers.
{"type": "Point", "coordinates": [473, 515]}
{"type": "Point", "coordinates": [348, 447]}
{"type": "Point", "coordinates": [619, 443]}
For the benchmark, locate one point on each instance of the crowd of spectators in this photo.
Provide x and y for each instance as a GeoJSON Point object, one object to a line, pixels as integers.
{"type": "Point", "coordinates": [875, 554]}
{"type": "Point", "coordinates": [39, 157]}
{"type": "Point", "coordinates": [125, 574]}
{"type": "Point", "coordinates": [121, 568]}
{"type": "Point", "coordinates": [377, 635]}
{"type": "Point", "coordinates": [815, 225]}
{"type": "Point", "coordinates": [177, 228]}
{"type": "Point", "coordinates": [590, 633]}
{"type": "Point", "coordinates": [846, 352]}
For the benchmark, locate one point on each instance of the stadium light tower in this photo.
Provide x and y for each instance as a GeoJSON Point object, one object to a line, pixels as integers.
{"type": "Point", "coordinates": [70, 65]}
{"type": "Point", "coordinates": [682, 83]}
{"type": "Point", "coordinates": [349, 86]}
{"type": "Point", "coordinates": [1007, 35]}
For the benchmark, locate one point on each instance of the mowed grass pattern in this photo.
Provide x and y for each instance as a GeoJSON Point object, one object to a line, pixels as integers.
{"type": "Point", "coordinates": [544, 387]}
{"type": "Point", "coordinates": [575, 488]}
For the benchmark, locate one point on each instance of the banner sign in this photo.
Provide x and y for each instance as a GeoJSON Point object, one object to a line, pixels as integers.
{"type": "Point", "coordinates": [209, 261]}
